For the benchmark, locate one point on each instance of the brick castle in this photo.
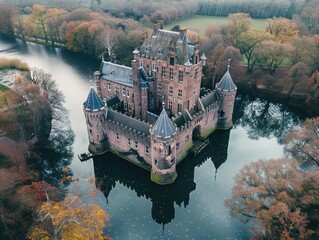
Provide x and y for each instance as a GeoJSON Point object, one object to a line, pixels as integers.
{"type": "Point", "coordinates": [155, 113]}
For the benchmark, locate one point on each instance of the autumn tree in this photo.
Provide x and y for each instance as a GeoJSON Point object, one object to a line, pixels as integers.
{"type": "Point", "coordinates": [8, 14]}
{"type": "Point", "coordinates": [282, 29]}
{"type": "Point", "coordinates": [278, 198]}
{"type": "Point", "coordinates": [303, 143]}
{"type": "Point", "coordinates": [271, 54]}
{"type": "Point", "coordinates": [239, 23]}
{"type": "Point", "coordinates": [299, 72]}
{"type": "Point", "coordinates": [247, 43]}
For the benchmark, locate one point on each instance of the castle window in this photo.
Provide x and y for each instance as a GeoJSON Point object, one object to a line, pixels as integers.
{"type": "Point", "coordinates": [90, 130]}
{"type": "Point", "coordinates": [171, 60]}
{"type": "Point", "coordinates": [154, 66]}
{"type": "Point", "coordinates": [123, 92]}
{"type": "Point", "coordinates": [159, 87]}
{"type": "Point", "coordinates": [179, 107]}
{"type": "Point", "coordinates": [180, 93]}
{"type": "Point", "coordinates": [129, 107]}
{"type": "Point", "coordinates": [116, 90]}
{"type": "Point", "coordinates": [117, 137]}
{"type": "Point", "coordinates": [163, 71]}
{"type": "Point", "coordinates": [129, 142]}
{"type": "Point", "coordinates": [125, 105]}
{"type": "Point", "coordinates": [104, 84]}
{"type": "Point", "coordinates": [147, 150]}
{"type": "Point", "coordinates": [196, 74]}
{"type": "Point", "coordinates": [98, 137]}
{"type": "Point", "coordinates": [171, 73]}
{"type": "Point", "coordinates": [147, 49]}
{"type": "Point", "coordinates": [127, 93]}
{"type": "Point", "coordinates": [177, 146]}
{"type": "Point", "coordinates": [172, 161]}
{"type": "Point", "coordinates": [170, 105]}
{"type": "Point", "coordinates": [136, 145]}
{"type": "Point", "coordinates": [109, 86]}
{"type": "Point", "coordinates": [180, 76]}
{"type": "Point", "coordinates": [141, 63]}
{"type": "Point", "coordinates": [222, 113]}
{"type": "Point", "coordinates": [187, 137]}
{"type": "Point", "coordinates": [156, 162]}
{"type": "Point", "coordinates": [160, 51]}
{"type": "Point", "coordinates": [170, 90]}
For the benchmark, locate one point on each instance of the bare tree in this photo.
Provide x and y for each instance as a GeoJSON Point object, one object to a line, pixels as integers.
{"type": "Point", "coordinates": [108, 40]}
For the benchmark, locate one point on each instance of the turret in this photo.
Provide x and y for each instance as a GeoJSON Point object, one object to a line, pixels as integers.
{"type": "Point", "coordinates": [163, 150]}
{"type": "Point", "coordinates": [94, 111]}
{"type": "Point", "coordinates": [226, 90]}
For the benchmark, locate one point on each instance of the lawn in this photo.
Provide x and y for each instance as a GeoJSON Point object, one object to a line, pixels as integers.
{"type": "Point", "coordinates": [200, 22]}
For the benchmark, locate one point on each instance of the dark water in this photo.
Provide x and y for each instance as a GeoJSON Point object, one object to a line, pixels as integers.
{"type": "Point", "coordinates": [192, 207]}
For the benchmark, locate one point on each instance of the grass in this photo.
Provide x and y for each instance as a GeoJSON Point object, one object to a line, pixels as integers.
{"type": "Point", "coordinates": [13, 63]}
{"type": "Point", "coordinates": [200, 23]}
{"type": "Point", "coordinates": [5, 161]}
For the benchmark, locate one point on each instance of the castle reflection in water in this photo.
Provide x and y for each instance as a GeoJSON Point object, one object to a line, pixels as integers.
{"type": "Point", "coordinates": [110, 170]}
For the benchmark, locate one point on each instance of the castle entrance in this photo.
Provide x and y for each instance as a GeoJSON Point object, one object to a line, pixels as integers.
{"type": "Point", "coordinates": [196, 133]}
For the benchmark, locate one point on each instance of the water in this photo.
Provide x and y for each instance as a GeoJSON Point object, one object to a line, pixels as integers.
{"type": "Point", "coordinates": [191, 208]}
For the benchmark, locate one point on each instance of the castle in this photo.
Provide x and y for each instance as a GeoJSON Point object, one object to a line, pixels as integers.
{"type": "Point", "coordinates": [155, 113]}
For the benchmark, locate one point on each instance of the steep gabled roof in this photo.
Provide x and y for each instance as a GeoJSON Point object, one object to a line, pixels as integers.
{"type": "Point", "coordinates": [163, 127]}
{"type": "Point", "coordinates": [226, 83]}
{"type": "Point", "coordinates": [93, 102]}
{"type": "Point", "coordinates": [116, 73]}
{"type": "Point", "coordinates": [159, 45]}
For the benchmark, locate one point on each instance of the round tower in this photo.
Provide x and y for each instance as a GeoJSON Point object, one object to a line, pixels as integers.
{"type": "Point", "coordinates": [94, 112]}
{"type": "Point", "coordinates": [226, 91]}
{"type": "Point", "coordinates": [163, 150]}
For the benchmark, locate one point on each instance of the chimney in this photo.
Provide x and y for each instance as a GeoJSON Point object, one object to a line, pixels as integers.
{"type": "Point", "coordinates": [182, 32]}
{"type": "Point", "coordinates": [158, 25]}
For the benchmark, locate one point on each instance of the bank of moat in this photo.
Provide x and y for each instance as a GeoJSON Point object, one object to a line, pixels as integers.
{"type": "Point", "coordinates": [155, 113]}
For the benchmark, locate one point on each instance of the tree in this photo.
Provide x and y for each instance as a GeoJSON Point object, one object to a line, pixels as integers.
{"type": "Point", "coordinates": [271, 54]}
{"type": "Point", "coordinates": [8, 13]}
{"type": "Point", "coordinates": [38, 19]}
{"type": "Point", "coordinates": [303, 143]}
{"type": "Point", "coordinates": [108, 40]}
{"type": "Point", "coordinates": [281, 200]}
{"type": "Point", "coordinates": [247, 43]}
{"type": "Point", "coordinates": [239, 23]}
{"type": "Point", "coordinates": [282, 29]}
{"type": "Point", "coordinates": [299, 72]}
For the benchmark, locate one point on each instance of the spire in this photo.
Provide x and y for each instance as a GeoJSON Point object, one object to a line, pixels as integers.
{"type": "Point", "coordinates": [226, 83]}
{"type": "Point", "coordinates": [93, 101]}
{"type": "Point", "coordinates": [163, 127]}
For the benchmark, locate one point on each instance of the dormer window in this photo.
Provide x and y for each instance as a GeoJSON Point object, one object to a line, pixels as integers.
{"type": "Point", "coordinates": [112, 72]}
{"type": "Point", "coordinates": [147, 49]}
{"type": "Point", "coordinates": [160, 51]}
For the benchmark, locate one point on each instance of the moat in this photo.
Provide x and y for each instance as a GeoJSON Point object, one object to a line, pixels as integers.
{"type": "Point", "coordinates": [192, 207]}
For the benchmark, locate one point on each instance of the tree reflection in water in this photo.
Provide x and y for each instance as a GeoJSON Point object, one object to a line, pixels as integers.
{"type": "Point", "coordinates": [263, 118]}
{"type": "Point", "coordinates": [49, 160]}
{"type": "Point", "coordinates": [110, 169]}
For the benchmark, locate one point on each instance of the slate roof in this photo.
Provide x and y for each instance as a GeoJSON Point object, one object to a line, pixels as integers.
{"type": "Point", "coordinates": [209, 99]}
{"type": "Point", "coordinates": [128, 121]}
{"type": "Point", "coordinates": [163, 127]}
{"type": "Point", "coordinates": [181, 120]}
{"type": "Point", "coordinates": [113, 101]}
{"type": "Point", "coordinates": [93, 101]}
{"type": "Point", "coordinates": [116, 73]}
{"type": "Point", "coordinates": [226, 83]}
{"type": "Point", "coordinates": [158, 46]}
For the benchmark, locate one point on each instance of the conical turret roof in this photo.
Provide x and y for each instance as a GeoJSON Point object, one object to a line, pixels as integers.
{"type": "Point", "coordinates": [226, 83]}
{"type": "Point", "coordinates": [93, 101]}
{"type": "Point", "coordinates": [163, 127]}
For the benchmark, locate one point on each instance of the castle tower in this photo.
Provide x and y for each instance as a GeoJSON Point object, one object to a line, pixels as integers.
{"type": "Point", "coordinates": [226, 90]}
{"type": "Point", "coordinates": [163, 150]}
{"type": "Point", "coordinates": [94, 111]}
